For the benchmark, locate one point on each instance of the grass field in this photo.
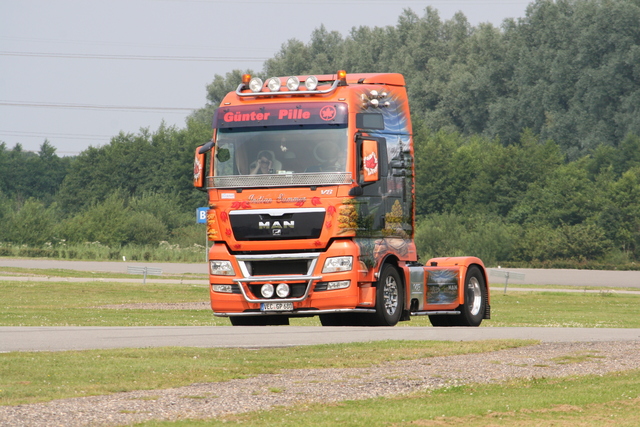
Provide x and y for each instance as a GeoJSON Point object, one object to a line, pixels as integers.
{"type": "Point", "coordinates": [80, 304]}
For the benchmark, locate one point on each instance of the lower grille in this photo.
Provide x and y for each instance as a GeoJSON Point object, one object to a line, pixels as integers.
{"type": "Point", "coordinates": [277, 267]}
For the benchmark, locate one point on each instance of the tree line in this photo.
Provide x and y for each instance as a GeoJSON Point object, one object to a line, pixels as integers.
{"type": "Point", "coordinates": [526, 135]}
{"type": "Point", "coordinates": [135, 190]}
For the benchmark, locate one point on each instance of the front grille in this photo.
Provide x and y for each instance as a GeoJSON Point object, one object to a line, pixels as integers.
{"type": "Point", "coordinates": [277, 224]}
{"type": "Point", "coordinates": [277, 267]}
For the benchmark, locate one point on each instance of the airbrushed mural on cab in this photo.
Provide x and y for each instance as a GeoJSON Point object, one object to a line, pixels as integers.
{"type": "Point", "coordinates": [384, 225]}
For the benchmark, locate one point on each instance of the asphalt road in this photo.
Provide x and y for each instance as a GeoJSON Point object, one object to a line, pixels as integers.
{"type": "Point", "coordinates": [82, 338]}
{"type": "Point", "coordinates": [106, 266]}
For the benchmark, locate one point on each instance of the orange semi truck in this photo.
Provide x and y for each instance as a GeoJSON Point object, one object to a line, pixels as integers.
{"type": "Point", "coordinates": [311, 208]}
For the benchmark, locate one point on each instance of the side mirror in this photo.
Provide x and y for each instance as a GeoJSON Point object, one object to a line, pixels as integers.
{"type": "Point", "coordinates": [206, 147]}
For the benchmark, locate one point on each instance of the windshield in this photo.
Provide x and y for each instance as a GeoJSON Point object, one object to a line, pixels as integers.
{"type": "Point", "coordinates": [251, 154]}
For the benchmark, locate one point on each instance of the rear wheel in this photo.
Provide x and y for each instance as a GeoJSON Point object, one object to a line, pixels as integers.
{"type": "Point", "coordinates": [475, 299]}
{"type": "Point", "coordinates": [389, 298]}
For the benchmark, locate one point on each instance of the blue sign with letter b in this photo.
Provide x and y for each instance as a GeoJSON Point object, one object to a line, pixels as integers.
{"type": "Point", "coordinates": [201, 215]}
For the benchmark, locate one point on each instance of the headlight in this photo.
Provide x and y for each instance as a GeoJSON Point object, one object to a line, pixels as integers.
{"type": "Point", "coordinates": [221, 268]}
{"type": "Point", "coordinates": [340, 263]}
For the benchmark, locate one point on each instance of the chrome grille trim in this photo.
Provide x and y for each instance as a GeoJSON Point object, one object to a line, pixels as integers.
{"type": "Point", "coordinates": [243, 259]}
{"type": "Point", "coordinates": [309, 278]}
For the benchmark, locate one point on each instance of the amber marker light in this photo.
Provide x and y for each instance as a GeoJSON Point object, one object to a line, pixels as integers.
{"type": "Point", "coordinates": [342, 75]}
{"type": "Point", "coordinates": [246, 78]}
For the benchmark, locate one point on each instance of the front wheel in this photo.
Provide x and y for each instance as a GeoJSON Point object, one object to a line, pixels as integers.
{"type": "Point", "coordinates": [389, 298]}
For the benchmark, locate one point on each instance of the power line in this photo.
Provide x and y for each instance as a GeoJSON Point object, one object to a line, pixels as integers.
{"type": "Point", "coordinates": [367, 2]}
{"type": "Point", "coordinates": [94, 43]}
{"type": "Point", "coordinates": [132, 57]}
{"type": "Point", "coordinates": [40, 135]}
{"type": "Point", "coordinates": [128, 108]}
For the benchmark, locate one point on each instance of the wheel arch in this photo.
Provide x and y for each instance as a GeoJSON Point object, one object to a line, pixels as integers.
{"type": "Point", "coordinates": [403, 272]}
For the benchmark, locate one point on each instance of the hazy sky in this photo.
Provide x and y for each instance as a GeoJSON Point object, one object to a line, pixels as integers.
{"type": "Point", "coordinates": [78, 72]}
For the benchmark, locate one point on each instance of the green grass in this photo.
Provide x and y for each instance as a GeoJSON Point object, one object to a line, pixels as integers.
{"type": "Point", "coordinates": [28, 377]}
{"type": "Point", "coordinates": [74, 304]}
{"type": "Point", "coordinates": [564, 309]}
{"type": "Point", "coordinates": [95, 251]}
{"type": "Point", "coordinates": [611, 399]}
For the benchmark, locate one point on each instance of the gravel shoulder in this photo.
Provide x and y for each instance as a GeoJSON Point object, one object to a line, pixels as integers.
{"type": "Point", "coordinates": [296, 387]}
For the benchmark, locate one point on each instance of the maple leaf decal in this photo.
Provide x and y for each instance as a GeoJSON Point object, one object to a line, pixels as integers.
{"type": "Point", "coordinates": [371, 164]}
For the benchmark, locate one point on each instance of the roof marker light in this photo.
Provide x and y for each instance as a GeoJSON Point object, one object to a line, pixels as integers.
{"type": "Point", "coordinates": [246, 78]}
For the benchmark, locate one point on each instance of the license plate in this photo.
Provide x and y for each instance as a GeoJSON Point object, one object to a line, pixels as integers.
{"type": "Point", "coordinates": [276, 306]}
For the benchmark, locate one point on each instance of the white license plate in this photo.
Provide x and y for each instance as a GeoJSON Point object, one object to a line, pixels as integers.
{"type": "Point", "coordinates": [276, 306]}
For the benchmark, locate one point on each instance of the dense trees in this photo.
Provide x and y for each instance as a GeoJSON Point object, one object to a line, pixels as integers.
{"type": "Point", "coordinates": [526, 136]}
{"type": "Point", "coordinates": [136, 189]}
{"type": "Point", "coordinates": [524, 202]}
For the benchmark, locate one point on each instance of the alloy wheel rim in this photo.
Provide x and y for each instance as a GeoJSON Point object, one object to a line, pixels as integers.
{"type": "Point", "coordinates": [476, 295]}
{"type": "Point", "coordinates": [390, 295]}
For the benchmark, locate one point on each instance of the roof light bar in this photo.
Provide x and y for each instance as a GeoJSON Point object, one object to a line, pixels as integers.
{"type": "Point", "coordinates": [255, 85]}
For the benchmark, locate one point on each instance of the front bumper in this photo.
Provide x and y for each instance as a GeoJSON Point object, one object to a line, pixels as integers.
{"type": "Point", "coordinates": [306, 297]}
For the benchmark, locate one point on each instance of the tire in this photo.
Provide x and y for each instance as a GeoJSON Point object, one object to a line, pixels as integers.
{"type": "Point", "coordinates": [259, 320]}
{"type": "Point", "coordinates": [475, 300]}
{"type": "Point", "coordinates": [389, 298]}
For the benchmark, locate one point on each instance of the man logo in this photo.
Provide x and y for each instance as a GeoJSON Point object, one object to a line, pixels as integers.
{"type": "Point", "coordinates": [276, 225]}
